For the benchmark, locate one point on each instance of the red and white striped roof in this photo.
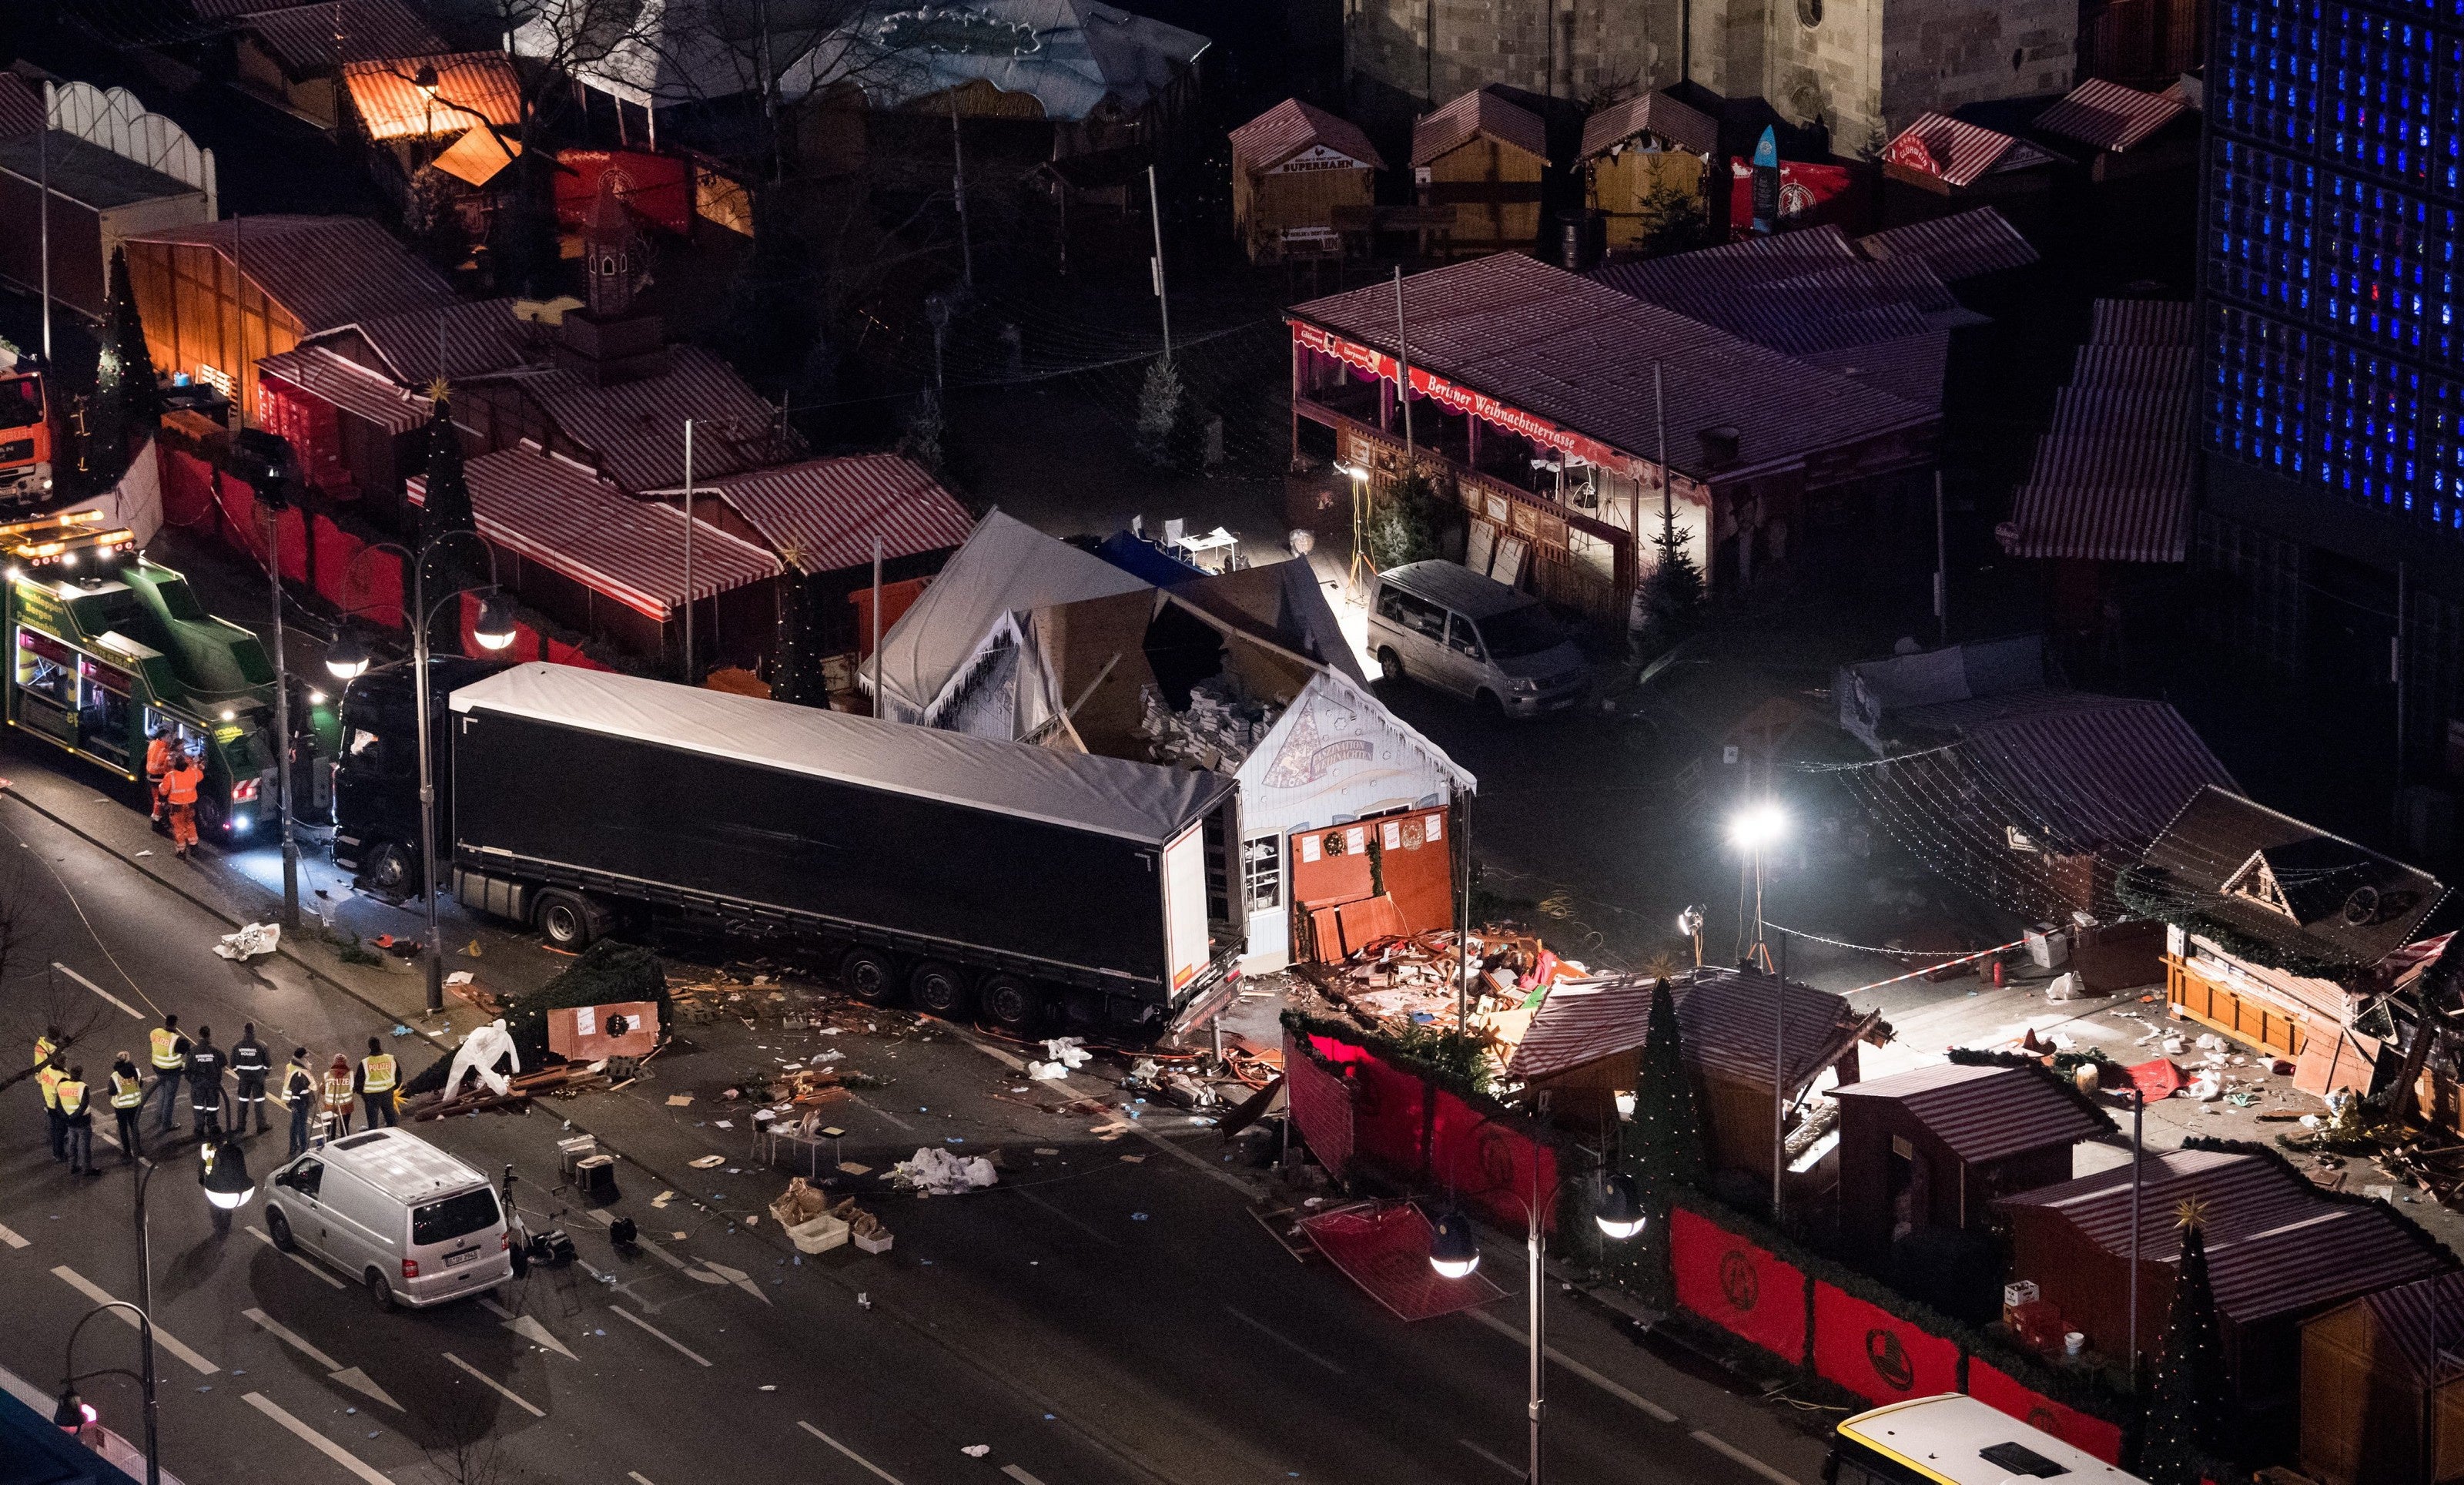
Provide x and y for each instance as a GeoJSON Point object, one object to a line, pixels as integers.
{"type": "Point", "coordinates": [2109, 116]}
{"type": "Point", "coordinates": [1476, 112]}
{"type": "Point", "coordinates": [1656, 114]}
{"type": "Point", "coordinates": [2114, 478]}
{"type": "Point", "coordinates": [1956, 246]}
{"type": "Point", "coordinates": [324, 271]}
{"type": "Point", "coordinates": [1292, 126]}
{"type": "Point", "coordinates": [1959, 153]}
{"type": "Point", "coordinates": [827, 513]}
{"type": "Point", "coordinates": [637, 428]}
{"type": "Point", "coordinates": [472, 88]}
{"type": "Point", "coordinates": [309, 39]}
{"type": "Point", "coordinates": [470, 339]}
{"type": "Point", "coordinates": [348, 386]}
{"type": "Point", "coordinates": [559, 514]}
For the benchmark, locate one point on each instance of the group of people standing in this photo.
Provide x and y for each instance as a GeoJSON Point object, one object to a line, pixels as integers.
{"type": "Point", "coordinates": [323, 1104]}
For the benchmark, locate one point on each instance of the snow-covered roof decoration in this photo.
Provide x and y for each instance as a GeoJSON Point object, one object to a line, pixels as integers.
{"type": "Point", "coordinates": [1073, 56]}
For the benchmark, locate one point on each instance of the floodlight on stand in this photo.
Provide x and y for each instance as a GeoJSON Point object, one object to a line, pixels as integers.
{"type": "Point", "coordinates": [494, 628]}
{"type": "Point", "coordinates": [1620, 1215]}
{"type": "Point", "coordinates": [347, 657]}
{"type": "Point", "coordinates": [227, 1181]}
{"type": "Point", "coordinates": [1757, 826]}
{"type": "Point", "coordinates": [1351, 472]}
{"type": "Point", "coordinates": [1453, 1252]}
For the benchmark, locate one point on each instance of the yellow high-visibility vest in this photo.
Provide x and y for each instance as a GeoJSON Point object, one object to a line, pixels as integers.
{"type": "Point", "coordinates": [338, 1095]}
{"type": "Point", "coordinates": [51, 1079]}
{"type": "Point", "coordinates": [72, 1096]}
{"type": "Point", "coordinates": [376, 1072]}
{"type": "Point", "coordinates": [44, 1047]}
{"type": "Point", "coordinates": [292, 1073]}
{"type": "Point", "coordinates": [127, 1093]}
{"type": "Point", "coordinates": [164, 1044]}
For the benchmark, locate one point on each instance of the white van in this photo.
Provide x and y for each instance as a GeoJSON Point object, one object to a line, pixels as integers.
{"type": "Point", "coordinates": [412, 1223]}
{"type": "Point", "coordinates": [1445, 626]}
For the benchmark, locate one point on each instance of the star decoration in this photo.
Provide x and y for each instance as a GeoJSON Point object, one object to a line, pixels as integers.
{"type": "Point", "coordinates": [438, 390]}
{"type": "Point", "coordinates": [2192, 1212]}
{"type": "Point", "coordinates": [791, 555]}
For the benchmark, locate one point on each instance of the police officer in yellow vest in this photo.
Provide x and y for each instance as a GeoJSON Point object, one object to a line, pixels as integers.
{"type": "Point", "coordinates": [128, 1101]}
{"type": "Point", "coordinates": [299, 1097]}
{"type": "Point", "coordinates": [77, 1111]}
{"type": "Point", "coordinates": [376, 1079]}
{"type": "Point", "coordinates": [46, 1044]}
{"type": "Point", "coordinates": [169, 1050]}
{"type": "Point", "coordinates": [48, 1078]}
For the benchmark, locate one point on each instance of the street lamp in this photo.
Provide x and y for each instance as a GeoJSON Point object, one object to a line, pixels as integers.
{"type": "Point", "coordinates": [73, 1412]}
{"type": "Point", "coordinates": [348, 659]}
{"type": "Point", "coordinates": [225, 1175]}
{"type": "Point", "coordinates": [1454, 1253]}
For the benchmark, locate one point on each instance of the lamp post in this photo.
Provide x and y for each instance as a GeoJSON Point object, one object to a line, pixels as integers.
{"type": "Point", "coordinates": [73, 1412]}
{"type": "Point", "coordinates": [348, 659]}
{"type": "Point", "coordinates": [1454, 1253]}
{"type": "Point", "coordinates": [1755, 828]}
{"type": "Point", "coordinates": [1359, 478]}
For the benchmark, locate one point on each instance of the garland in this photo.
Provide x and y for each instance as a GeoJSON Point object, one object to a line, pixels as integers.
{"type": "Point", "coordinates": [2139, 888]}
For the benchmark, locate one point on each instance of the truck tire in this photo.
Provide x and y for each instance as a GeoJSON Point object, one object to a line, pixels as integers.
{"type": "Point", "coordinates": [390, 871]}
{"type": "Point", "coordinates": [1014, 1003]}
{"type": "Point", "coordinates": [941, 990]}
{"type": "Point", "coordinates": [869, 976]}
{"type": "Point", "coordinates": [567, 920]}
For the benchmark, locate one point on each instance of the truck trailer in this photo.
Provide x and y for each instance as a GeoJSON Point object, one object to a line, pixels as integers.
{"type": "Point", "coordinates": [970, 873]}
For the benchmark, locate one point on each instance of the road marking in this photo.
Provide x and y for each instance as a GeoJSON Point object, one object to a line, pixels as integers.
{"type": "Point", "coordinates": [637, 1477]}
{"type": "Point", "coordinates": [317, 1441]}
{"type": "Point", "coordinates": [359, 1382]}
{"type": "Point", "coordinates": [1623, 1395]}
{"type": "Point", "coordinates": [284, 1333]}
{"type": "Point", "coordinates": [662, 1335]}
{"type": "Point", "coordinates": [163, 1338]}
{"type": "Point", "coordinates": [524, 1326]}
{"type": "Point", "coordinates": [1271, 1334]}
{"type": "Point", "coordinates": [884, 1113]}
{"type": "Point", "coordinates": [98, 989]}
{"type": "Point", "coordinates": [1104, 1238]}
{"type": "Point", "coordinates": [1020, 1475]}
{"type": "Point", "coordinates": [11, 1238]}
{"type": "Point", "coordinates": [516, 1398]}
{"type": "Point", "coordinates": [266, 1238]}
{"type": "Point", "coordinates": [1722, 1446]}
{"type": "Point", "coordinates": [1515, 1470]}
{"type": "Point", "coordinates": [850, 1452]}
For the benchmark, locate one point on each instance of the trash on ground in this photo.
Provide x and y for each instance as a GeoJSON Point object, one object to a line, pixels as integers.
{"type": "Point", "coordinates": [933, 1171]}
{"type": "Point", "coordinates": [249, 941]}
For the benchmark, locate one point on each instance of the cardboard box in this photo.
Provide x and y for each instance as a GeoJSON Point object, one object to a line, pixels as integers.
{"type": "Point", "coordinates": [588, 1033]}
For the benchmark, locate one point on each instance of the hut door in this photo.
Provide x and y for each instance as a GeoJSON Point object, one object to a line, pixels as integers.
{"type": "Point", "coordinates": [1911, 1188]}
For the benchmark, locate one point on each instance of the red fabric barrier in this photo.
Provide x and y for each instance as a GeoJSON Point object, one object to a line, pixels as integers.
{"type": "Point", "coordinates": [1490, 1166]}
{"type": "Point", "coordinates": [1810, 195]}
{"type": "Point", "coordinates": [188, 489]}
{"type": "Point", "coordinates": [1321, 1108]}
{"type": "Point", "coordinates": [239, 517]}
{"type": "Point", "coordinates": [1997, 1389]}
{"type": "Point", "coordinates": [1385, 1251]}
{"type": "Point", "coordinates": [527, 645]}
{"type": "Point", "coordinates": [1738, 1286]}
{"type": "Point", "coordinates": [1876, 1355]}
{"type": "Point", "coordinates": [368, 588]}
{"type": "Point", "coordinates": [559, 652]}
{"type": "Point", "coordinates": [292, 536]}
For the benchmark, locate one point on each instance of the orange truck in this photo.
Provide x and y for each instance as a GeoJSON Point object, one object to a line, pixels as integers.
{"type": "Point", "coordinates": [28, 437]}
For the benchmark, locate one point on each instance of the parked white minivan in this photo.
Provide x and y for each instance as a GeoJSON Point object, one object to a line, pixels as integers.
{"type": "Point", "coordinates": [408, 1221]}
{"type": "Point", "coordinates": [1445, 626]}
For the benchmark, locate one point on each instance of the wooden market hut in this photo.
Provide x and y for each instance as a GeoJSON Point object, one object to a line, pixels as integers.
{"type": "Point", "coordinates": [2382, 1387]}
{"type": "Point", "coordinates": [1634, 149]}
{"type": "Point", "coordinates": [1484, 156]}
{"type": "Point", "coordinates": [1292, 166]}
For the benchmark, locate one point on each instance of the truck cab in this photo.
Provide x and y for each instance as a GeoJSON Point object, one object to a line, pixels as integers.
{"type": "Point", "coordinates": [376, 770]}
{"type": "Point", "coordinates": [28, 438]}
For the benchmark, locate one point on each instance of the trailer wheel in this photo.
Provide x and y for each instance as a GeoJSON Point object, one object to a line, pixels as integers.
{"type": "Point", "coordinates": [940, 989]}
{"type": "Point", "coordinates": [867, 975]}
{"type": "Point", "coordinates": [567, 920]}
{"type": "Point", "coordinates": [1014, 1004]}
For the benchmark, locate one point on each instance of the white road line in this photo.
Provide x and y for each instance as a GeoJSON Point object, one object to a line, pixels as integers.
{"type": "Point", "coordinates": [511, 1396]}
{"type": "Point", "coordinates": [317, 1441]}
{"type": "Point", "coordinates": [883, 1113]}
{"type": "Point", "coordinates": [1719, 1444]}
{"type": "Point", "coordinates": [850, 1452]}
{"type": "Point", "coordinates": [662, 1335]}
{"type": "Point", "coordinates": [284, 1333]}
{"type": "Point", "coordinates": [11, 1238]}
{"type": "Point", "coordinates": [1623, 1395]}
{"type": "Point", "coordinates": [163, 1338]}
{"type": "Point", "coordinates": [1104, 1238]}
{"type": "Point", "coordinates": [487, 1302]}
{"type": "Point", "coordinates": [637, 1477]}
{"type": "Point", "coordinates": [98, 989]}
{"type": "Point", "coordinates": [1271, 1334]}
{"type": "Point", "coordinates": [1514, 1470]}
{"type": "Point", "coordinates": [266, 1238]}
{"type": "Point", "coordinates": [1020, 1475]}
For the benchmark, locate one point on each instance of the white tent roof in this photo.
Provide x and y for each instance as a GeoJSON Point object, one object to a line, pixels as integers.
{"type": "Point", "coordinates": [1007, 567]}
{"type": "Point", "coordinates": [1072, 55]}
{"type": "Point", "coordinates": [1110, 796]}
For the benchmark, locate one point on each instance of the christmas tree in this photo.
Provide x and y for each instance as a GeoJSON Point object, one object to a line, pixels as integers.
{"type": "Point", "coordinates": [446, 507]}
{"type": "Point", "coordinates": [1663, 1147]}
{"type": "Point", "coordinates": [1672, 596]}
{"type": "Point", "coordinates": [1160, 401]}
{"type": "Point", "coordinates": [127, 405]}
{"type": "Point", "coordinates": [796, 651]}
{"type": "Point", "coordinates": [2189, 1406]}
{"type": "Point", "coordinates": [922, 441]}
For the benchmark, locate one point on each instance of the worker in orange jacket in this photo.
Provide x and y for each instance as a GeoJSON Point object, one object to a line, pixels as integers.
{"type": "Point", "coordinates": [180, 789]}
{"type": "Point", "coordinates": [158, 763]}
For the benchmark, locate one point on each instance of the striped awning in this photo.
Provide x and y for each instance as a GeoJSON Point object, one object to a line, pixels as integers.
{"type": "Point", "coordinates": [2108, 115]}
{"type": "Point", "coordinates": [2114, 478]}
{"type": "Point", "coordinates": [564, 518]}
{"type": "Point", "coordinates": [351, 387]}
{"type": "Point", "coordinates": [829, 512]}
{"type": "Point", "coordinates": [472, 88]}
{"type": "Point", "coordinates": [1959, 153]}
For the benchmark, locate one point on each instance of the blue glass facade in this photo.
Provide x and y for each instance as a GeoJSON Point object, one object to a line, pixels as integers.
{"type": "Point", "coordinates": [2336, 202]}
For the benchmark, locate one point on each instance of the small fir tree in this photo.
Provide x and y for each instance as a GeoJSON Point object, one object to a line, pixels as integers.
{"type": "Point", "coordinates": [1159, 410]}
{"type": "Point", "coordinates": [1672, 596]}
{"type": "Point", "coordinates": [447, 508]}
{"type": "Point", "coordinates": [1663, 1148]}
{"type": "Point", "coordinates": [1673, 221]}
{"type": "Point", "coordinates": [1403, 523]}
{"type": "Point", "coordinates": [926, 431]}
{"type": "Point", "coordinates": [2189, 1406]}
{"type": "Point", "coordinates": [127, 405]}
{"type": "Point", "coordinates": [796, 651]}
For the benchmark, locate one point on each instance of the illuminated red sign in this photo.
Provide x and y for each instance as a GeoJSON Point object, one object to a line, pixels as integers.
{"type": "Point", "coordinates": [1462, 399]}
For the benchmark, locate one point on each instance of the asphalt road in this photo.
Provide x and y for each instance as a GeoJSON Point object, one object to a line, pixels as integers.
{"type": "Point", "coordinates": [1093, 1319]}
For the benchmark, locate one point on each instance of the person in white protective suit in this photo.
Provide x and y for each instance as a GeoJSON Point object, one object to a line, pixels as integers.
{"type": "Point", "coordinates": [479, 1052]}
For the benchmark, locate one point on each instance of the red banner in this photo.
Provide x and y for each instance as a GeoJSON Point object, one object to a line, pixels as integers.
{"type": "Point", "coordinates": [1738, 1286]}
{"type": "Point", "coordinates": [291, 536]}
{"type": "Point", "coordinates": [1876, 1355]}
{"type": "Point", "coordinates": [1456, 398]}
{"type": "Point", "coordinates": [1997, 1389]}
{"type": "Point", "coordinates": [1809, 195]}
{"type": "Point", "coordinates": [1490, 1166]}
{"type": "Point", "coordinates": [656, 189]}
{"type": "Point", "coordinates": [1321, 1108]}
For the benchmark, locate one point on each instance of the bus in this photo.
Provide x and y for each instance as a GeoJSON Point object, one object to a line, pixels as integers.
{"type": "Point", "coordinates": [1957, 1440]}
